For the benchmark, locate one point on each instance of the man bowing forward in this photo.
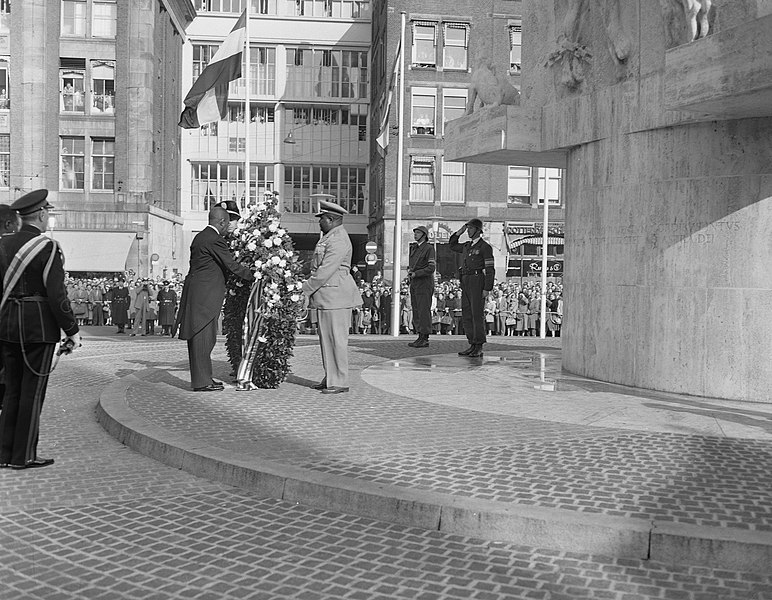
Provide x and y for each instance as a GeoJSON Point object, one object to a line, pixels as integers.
{"type": "Point", "coordinates": [203, 295]}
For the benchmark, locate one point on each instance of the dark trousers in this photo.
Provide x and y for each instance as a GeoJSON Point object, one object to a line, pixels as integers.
{"type": "Point", "coordinates": [421, 301]}
{"type": "Point", "coordinates": [25, 390]}
{"type": "Point", "coordinates": [200, 348]}
{"type": "Point", "coordinates": [473, 307]}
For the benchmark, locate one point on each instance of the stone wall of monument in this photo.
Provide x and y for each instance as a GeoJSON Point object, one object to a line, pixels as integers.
{"type": "Point", "coordinates": [667, 282]}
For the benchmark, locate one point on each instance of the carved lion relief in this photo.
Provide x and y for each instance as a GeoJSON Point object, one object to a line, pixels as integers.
{"type": "Point", "coordinates": [490, 88]}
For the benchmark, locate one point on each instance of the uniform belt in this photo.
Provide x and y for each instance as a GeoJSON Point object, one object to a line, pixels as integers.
{"type": "Point", "coordinates": [472, 271]}
{"type": "Point", "coordinates": [31, 298]}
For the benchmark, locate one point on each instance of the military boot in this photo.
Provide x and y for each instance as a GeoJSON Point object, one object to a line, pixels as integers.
{"type": "Point", "coordinates": [422, 342]}
{"type": "Point", "coordinates": [476, 352]}
{"type": "Point", "coordinates": [468, 351]}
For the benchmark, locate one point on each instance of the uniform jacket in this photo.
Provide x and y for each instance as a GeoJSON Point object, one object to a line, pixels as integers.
{"type": "Point", "coordinates": [331, 285]}
{"type": "Point", "coordinates": [23, 318]}
{"type": "Point", "coordinates": [167, 305]}
{"type": "Point", "coordinates": [476, 257]}
{"type": "Point", "coordinates": [119, 305]}
{"type": "Point", "coordinates": [204, 290]}
{"type": "Point", "coordinates": [421, 263]}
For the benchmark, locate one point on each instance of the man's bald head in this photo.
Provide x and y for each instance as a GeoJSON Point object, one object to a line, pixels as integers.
{"type": "Point", "coordinates": [219, 218]}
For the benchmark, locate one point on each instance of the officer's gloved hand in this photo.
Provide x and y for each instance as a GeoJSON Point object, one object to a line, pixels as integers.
{"type": "Point", "coordinates": [75, 341]}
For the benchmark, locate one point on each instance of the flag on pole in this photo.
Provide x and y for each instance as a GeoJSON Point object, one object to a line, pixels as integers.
{"type": "Point", "coordinates": [207, 100]}
{"type": "Point", "coordinates": [383, 130]}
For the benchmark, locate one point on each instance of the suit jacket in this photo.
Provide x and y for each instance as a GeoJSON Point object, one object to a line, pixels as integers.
{"type": "Point", "coordinates": [37, 311]}
{"type": "Point", "coordinates": [204, 290]}
{"type": "Point", "coordinates": [331, 285]}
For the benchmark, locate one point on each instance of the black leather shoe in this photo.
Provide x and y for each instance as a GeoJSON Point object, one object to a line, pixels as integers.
{"type": "Point", "coordinates": [320, 386]}
{"type": "Point", "coordinates": [466, 352]}
{"type": "Point", "coordinates": [424, 343]}
{"type": "Point", "coordinates": [218, 384]}
{"type": "Point", "coordinates": [34, 464]}
{"type": "Point", "coordinates": [335, 390]}
{"type": "Point", "coordinates": [415, 343]}
{"type": "Point", "coordinates": [477, 352]}
{"type": "Point", "coordinates": [209, 388]}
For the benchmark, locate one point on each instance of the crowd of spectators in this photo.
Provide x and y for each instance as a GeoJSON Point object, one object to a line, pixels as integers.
{"type": "Point", "coordinates": [512, 308]}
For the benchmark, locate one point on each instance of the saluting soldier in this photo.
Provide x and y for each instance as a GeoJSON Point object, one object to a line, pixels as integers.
{"type": "Point", "coordinates": [420, 273]}
{"type": "Point", "coordinates": [34, 311]}
{"type": "Point", "coordinates": [477, 273]}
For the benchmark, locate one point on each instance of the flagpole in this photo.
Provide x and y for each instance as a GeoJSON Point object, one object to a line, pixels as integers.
{"type": "Point", "coordinates": [396, 284]}
{"type": "Point", "coordinates": [247, 108]}
{"type": "Point", "coordinates": [545, 226]}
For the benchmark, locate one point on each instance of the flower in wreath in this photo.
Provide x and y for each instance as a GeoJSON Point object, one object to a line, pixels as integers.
{"type": "Point", "coordinates": [260, 243]}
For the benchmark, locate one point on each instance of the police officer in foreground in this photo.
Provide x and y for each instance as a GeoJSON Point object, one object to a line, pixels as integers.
{"type": "Point", "coordinates": [420, 273]}
{"type": "Point", "coordinates": [34, 311]}
{"type": "Point", "coordinates": [476, 274]}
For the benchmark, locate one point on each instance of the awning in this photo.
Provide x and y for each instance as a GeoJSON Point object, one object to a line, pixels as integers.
{"type": "Point", "coordinates": [537, 240]}
{"type": "Point", "coordinates": [94, 250]}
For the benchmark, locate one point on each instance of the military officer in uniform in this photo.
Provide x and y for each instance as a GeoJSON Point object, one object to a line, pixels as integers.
{"type": "Point", "coordinates": [167, 308]}
{"type": "Point", "coordinates": [477, 273]}
{"type": "Point", "coordinates": [420, 273]}
{"type": "Point", "coordinates": [10, 223]}
{"type": "Point", "coordinates": [331, 291]}
{"type": "Point", "coordinates": [34, 311]}
{"type": "Point", "coordinates": [203, 294]}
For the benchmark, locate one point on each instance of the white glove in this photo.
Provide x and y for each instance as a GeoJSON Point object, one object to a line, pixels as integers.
{"type": "Point", "coordinates": [76, 342]}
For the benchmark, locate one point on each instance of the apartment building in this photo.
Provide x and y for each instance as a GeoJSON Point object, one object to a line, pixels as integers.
{"type": "Point", "coordinates": [444, 43]}
{"type": "Point", "coordinates": [308, 103]}
{"type": "Point", "coordinates": [89, 96]}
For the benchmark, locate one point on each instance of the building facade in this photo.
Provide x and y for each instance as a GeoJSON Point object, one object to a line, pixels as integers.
{"type": "Point", "coordinates": [443, 46]}
{"type": "Point", "coordinates": [307, 130]}
{"type": "Point", "coordinates": [89, 91]}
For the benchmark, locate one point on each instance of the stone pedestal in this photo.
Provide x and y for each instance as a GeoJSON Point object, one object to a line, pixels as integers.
{"type": "Point", "coordinates": [669, 192]}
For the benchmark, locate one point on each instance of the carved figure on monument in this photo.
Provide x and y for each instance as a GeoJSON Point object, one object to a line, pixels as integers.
{"type": "Point", "coordinates": [570, 53]}
{"type": "Point", "coordinates": [492, 89]}
{"type": "Point", "coordinates": [685, 20]}
{"type": "Point", "coordinates": [618, 40]}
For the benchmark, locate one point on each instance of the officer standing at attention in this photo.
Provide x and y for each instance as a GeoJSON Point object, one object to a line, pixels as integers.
{"type": "Point", "coordinates": [34, 310]}
{"type": "Point", "coordinates": [477, 273]}
{"type": "Point", "coordinates": [10, 223]}
{"type": "Point", "coordinates": [420, 273]}
{"type": "Point", "coordinates": [332, 292]}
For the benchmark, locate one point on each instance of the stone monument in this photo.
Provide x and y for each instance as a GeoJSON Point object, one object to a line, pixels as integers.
{"type": "Point", "coordinates": [661, 114]}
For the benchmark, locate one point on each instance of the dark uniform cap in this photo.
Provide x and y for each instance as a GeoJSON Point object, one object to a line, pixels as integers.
{"type": "Point", "coordinates": [422, 228]}
{"type": "Point", "coordinates": [475, 223]}
{"type": "Point", "coordinates": [31, 202]}
{"type": "Point", "coordinates": [330, 208]}
{"type": "Point", "coordinates": [232, 208]}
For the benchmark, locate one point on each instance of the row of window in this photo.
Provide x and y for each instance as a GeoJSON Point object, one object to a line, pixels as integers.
{"type": "Point", "coordinates": [446, 44]}
{"type": "Point", "coordinates": [336, 9]}
{"type": "Point", "coordinates": [98, 165]}
{"type": "Point", "coordinates": [97, 97]}
{"type": "Point", "coordinates": [89, 18]}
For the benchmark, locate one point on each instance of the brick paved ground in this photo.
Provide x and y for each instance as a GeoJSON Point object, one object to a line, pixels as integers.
{"type": "Point", "coordinates": [105, 522]}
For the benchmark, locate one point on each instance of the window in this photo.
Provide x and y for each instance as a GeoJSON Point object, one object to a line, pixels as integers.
{"type": "Point", "coordinates": [515, 47]}
{"type": "Point", "coordinates": [5, 101]}
{"type": "Point", "coordinates": [74, 17]}
{"type": "Point", "coordinates": [326, 73]}
{"type": "Point", "coordinates": [453, 182]}
{"type": "Point", "coordinates": [73, 151]}
{"type": "Point", "coordinates": [454, 52]}
{"type": "Point", "coordinates": [423, 104]}
{"type": "Point", "coordinates": [5, 160]}
{"type": "Point", "coordinates": [347, 184]}
{"type": "Point", "coordinates": [5, 16]}
{"type": "Point", "coordinates": [549, 185]}
{"type": "Point", "coordinates": [453, 105]}
{"type": "Point", "coordinates": [202, 54]}
{"type": "Point", "coordinates": [424, 44]}
{"type": "Point", "coordinates": [519, 185]}
{"type": "Point", "coordinates": [102, 87]}
{"type": "Point", "coordinates": [421, 179]}
{"type": "Point", "coordinates": [216, 182]}
{"type": "Point", "coordinates": [102, 164]}
{"type": "Point", "coordinates": [72, 74]}
{"type": "Point", "coordinates": [103, 18]}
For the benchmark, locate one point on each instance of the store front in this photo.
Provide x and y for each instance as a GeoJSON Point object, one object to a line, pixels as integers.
{"type": "Point", "coordinates": [525, 244]}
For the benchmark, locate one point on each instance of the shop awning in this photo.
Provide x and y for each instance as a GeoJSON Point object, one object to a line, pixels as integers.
{"type": "Point", "coordinates": [537, 240]}
{"type": "Point", "coordinates": [104, 251]}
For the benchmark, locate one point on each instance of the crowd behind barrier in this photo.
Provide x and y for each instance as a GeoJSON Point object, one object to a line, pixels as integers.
{"type": "Point", "coordinates": [512, 308]}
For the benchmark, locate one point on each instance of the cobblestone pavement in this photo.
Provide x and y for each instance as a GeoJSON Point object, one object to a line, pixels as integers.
{"type": "Point", "coordinates": [106, 522]}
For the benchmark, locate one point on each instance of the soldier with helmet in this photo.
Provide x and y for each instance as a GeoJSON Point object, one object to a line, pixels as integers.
{"type": "Point", "coordinates": [34, 311]}
{"type": "Point", "coordinates": [420, 273]}
{"type": "Point", "coordinates": [476, 274]}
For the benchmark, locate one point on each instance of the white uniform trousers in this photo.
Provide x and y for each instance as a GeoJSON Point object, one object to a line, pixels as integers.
{"type": "Point", "coordinates": [333, 338]}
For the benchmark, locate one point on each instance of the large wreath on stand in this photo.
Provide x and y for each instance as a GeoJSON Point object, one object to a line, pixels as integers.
{"type": "Point", "coordinates": [272, 305]}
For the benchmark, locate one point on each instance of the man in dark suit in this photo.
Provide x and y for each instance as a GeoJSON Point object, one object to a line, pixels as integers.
{"type": "Point", "coordinates": [203, 295]}
{"type": "Point", "coordinates": [34, 310]}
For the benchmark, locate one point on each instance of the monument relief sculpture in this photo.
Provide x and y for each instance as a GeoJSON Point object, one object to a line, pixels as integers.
{"type": "Point", "coordinates": [492, 89]}
{"type": "Point", "coordinates": [691, 15]}
{"type": "Point", "coordinates": [618, 40]}
{"type": "Point", "coordinates": [570, 53]}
